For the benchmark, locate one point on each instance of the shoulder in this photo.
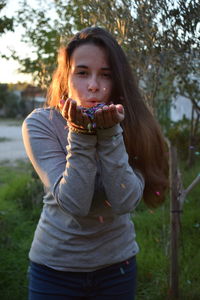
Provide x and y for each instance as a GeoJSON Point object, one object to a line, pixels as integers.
{"type": "Point", "coordinates": [46, 116]}
{"type": "Point", "coordinates": [43, 120]}
{"type": "Point", "coordinates": [42, 114]}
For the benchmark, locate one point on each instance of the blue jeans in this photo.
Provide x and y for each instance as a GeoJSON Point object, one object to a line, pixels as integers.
{"type": "Point", "coordinates": [116, 282]}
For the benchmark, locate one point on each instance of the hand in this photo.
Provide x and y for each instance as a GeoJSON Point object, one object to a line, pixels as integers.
{"type": "Point", "coordinates": [105, 117]}
{"type": "Point", "coordinates": [109, 115]}
{"type": "Point", "coordinates": [74, 114]}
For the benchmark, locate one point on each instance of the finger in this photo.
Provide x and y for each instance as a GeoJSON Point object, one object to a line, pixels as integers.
{"type": "Point", "coordinates": [108, 122]}
{"type": "Point", "coordinates": [121, 112]}
{"type": "Point", "coordinates": [120, 108]}
{"type": "Point", "coordinates": [65, 109]}
{"type": "Point", "coordinates": [114, 114]}
{"type": "Point", "coordinates": [79, 117]}
{"type": "Point", "coordinates": [72, 111]}
{"type": "Point", "coordinates": [117, 113]}
{"type": "Point", "coordinates": [99, 120]}
{"type": "Point", "coordinates": [86, 120]}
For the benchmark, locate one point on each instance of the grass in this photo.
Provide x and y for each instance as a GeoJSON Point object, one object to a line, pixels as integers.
{"type": "Point", "coordinates": [4, 139]}
{"type": "Point", "coordinates": [18, 218]}
{"type": "Point", "coordinates": [20, 192]}
{"type": "Point", "coordinates": [11, 122]}
{"type": "Point", "coordinates": [153, 236]}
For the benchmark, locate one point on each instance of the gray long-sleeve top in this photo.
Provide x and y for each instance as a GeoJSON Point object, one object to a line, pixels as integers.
{"type": "Point", "coordinates": [90, 189]}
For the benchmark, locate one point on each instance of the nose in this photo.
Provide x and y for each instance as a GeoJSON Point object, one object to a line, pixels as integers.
{"type": "Point", "coordinates": [93, 85]}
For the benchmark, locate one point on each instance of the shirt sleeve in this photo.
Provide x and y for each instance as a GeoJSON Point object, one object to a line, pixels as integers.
{"type": "Point", "coordinates": [70, 178]}
{"type": "Point", "coordinates": [123, 185]}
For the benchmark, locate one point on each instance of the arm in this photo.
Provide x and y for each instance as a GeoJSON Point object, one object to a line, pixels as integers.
{"type": "Point", "coordinates": [123, 186]}
{"type": "Point", "coordinates": [69, 178]}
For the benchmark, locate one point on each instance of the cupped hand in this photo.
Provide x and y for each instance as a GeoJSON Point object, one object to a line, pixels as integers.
{"type": "Point", "coordinates": [109, 115]}
{"type": "Point", "coordinates": [105, 117]}
{"type": "Point", "coordinates": [74, 114]}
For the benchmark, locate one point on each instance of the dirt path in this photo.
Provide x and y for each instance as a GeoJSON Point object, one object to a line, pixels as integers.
{"type": "Point", "coordinates": [11, 144]}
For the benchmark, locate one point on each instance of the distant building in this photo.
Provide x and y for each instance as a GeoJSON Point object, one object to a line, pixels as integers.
{"type": "Point", "coordinates": [33, 97]}
{"type": "Point", "coordinates": [181, 107]}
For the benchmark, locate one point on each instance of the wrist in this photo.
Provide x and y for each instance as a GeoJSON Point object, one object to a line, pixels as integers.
{"type": "Point", "coordinates": [81, 130]}
{"type": "Point", "coordinates": [109, 132]}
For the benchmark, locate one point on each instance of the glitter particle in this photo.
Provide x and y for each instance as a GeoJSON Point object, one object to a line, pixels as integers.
{"type": "Point", "coordinates": [123, 185]}
{"type": "Point", "coordinates": [157, 193]}
{"type": "Point", "coordinates": [101, 219]}
{"type": "Point", "coordinates": [108, 203]}
{"type": "Point", "coordinates": [122, 271]}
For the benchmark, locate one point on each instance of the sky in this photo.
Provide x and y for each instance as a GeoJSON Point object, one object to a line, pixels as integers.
{"type": "Point", "coordinates": [8, 68]}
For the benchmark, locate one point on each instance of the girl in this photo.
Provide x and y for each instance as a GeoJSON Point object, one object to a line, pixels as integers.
{"type": "Point", "coordinates": [98, 151]}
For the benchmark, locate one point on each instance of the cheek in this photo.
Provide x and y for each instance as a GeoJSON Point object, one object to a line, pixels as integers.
{"type": "Point", "coordinates": [74, 88]}
{"type": "Point", "coordinates": [107, 90]}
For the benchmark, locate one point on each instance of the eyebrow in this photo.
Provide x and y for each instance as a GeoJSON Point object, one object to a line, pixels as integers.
{"type": "Point", "coordinates": [85, 67]}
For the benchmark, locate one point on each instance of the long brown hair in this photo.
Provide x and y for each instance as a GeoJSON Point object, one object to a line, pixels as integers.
{"type": "Point", "coordinates": [143, 138]}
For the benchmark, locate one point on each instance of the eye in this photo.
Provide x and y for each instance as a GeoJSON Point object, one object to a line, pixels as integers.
{"type": "Point", "coordinates": [81, 73]}
{"type": "Point", "coordinates": [106, 75]}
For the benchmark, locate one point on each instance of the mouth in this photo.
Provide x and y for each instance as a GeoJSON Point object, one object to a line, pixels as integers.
{"type": "Point", "coordinates": [92, 102]}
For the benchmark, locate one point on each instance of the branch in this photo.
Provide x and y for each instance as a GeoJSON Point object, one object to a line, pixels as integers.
{"type": "Point", "coordinates": [188, 189]}
{"type": "Point", "coordinates": [192, 185]}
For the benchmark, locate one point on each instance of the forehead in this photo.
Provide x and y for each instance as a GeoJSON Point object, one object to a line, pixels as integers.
{"type": "Point", "coordinates": [89, 55]}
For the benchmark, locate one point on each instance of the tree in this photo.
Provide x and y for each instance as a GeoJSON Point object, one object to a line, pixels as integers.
{"type": "Point", "coordinates": [159, 36]}
{"type": "Point", "coordinates": [9, 101]}
{"type": "Point", "coordinates": [6, 23]}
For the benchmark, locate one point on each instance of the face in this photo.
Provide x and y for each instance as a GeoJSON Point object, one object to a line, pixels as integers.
{"type": "Point", "coordinates": [89, 81]}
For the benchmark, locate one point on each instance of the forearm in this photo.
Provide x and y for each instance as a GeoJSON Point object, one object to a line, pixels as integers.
{"type": "Point", "coordinates": [123, 186]}
{"type": "Point", "coordinates": [65, 163]}
{"type": "Point", "coordinates": [75, 190]}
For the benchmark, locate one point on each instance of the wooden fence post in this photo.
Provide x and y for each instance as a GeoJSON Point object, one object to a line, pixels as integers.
{"type": "Point", "coordinates": [177, 196]}
{"type": "Point", "coordinates": [175, 211]}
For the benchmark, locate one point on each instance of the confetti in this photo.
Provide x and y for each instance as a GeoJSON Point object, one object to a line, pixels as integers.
{"type": "Point", "coordinates": [123, 185]}
{"type": "Point", "coordinates": [101, 219]}
{"type": "Point", "coordinates": [197, 153]}
{"type": "Point", "coordinates": [91, 111]}
{"type": "Point", "coordinates": [107, 203]}
{"type": "Point", "coordinates": [89, 127]}
{"type": "Point", "coordinates": [127, 262]}
{"type": "Point", "coordinates": [122, 271]}
{"type": "Point", "coordinates": [157, 193]}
